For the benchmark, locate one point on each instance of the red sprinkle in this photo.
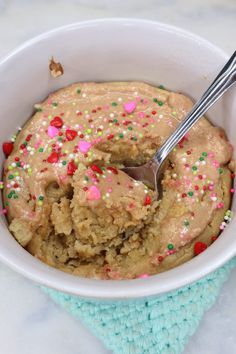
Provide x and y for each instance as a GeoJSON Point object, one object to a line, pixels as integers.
{"type": "Point", "coordinates": [110, 136]}
{"type": "Point", "coordinates": [147, 200]}
{"type": "Point", "coordinates": [213, 238]}
{"type": "Point", "coordinates": [7, 148]}
{"type": "Point", "coordinates": [199, 247]}
{"type": "Point", "coordinates": [113, 170]}
{"type": "Point", "coordinates": [184, 195]}
{"type": "Point", "coordinates": [71, 168]}
{"type": "Point", "coordinates": [71, 134]}
{"type": "Point", "coordinates": [56, 122]}
{"type": "Point", "coordinates": [160, 258]}
{"type": "Point", "coordinates": [53, 158]}
{"type": "Point", "coordinates": [96, 168]}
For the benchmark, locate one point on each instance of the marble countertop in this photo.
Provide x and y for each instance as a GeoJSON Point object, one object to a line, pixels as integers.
{"type": "Point", "coordinates": [30, 322]}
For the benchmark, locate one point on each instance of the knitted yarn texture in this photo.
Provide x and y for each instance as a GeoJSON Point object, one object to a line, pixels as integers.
{"type": "Point", "coordinates": [155, 325]}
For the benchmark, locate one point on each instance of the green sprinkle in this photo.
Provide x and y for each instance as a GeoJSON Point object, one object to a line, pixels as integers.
{"type": "Point", "coordinates": [78, 90]}
{"type": "Point", "coordinates": [59, 139]}
{"type": "Point", "coordinates": [10, 177]}
{"type": "Point", "coordinates": [194, 168]}
{"type": "Point", "coordinates": [160, 103]}
{"type": "Point", "coordinates": [18, 164]}
{"type": "Point", "coordinates": [40, 149]}
{"type": "Point", "coordinates": [155, 100]}
{"type": "Point", "coordinates": [89, 131]}
{"type": "Point", "coordinates": [25, 143]}
{"type": "Point", "coordinates": [170, 246]}
{"type": "Point", "coordinates": [204, 153]}
{"type": "Point", "coordinates": [15, 196]}
{"type": "Point", "coordinates": [220, 170]}
{"type": "Point", "coordinates": [41, 197]}
{"type": "Point", "coordinates": [190, 193]}
{"type": "Point", "coordinates": [121, 135]}
{"type": "Point", "coordinates": [161, 87]}
{"type": "Point", "coordinates": [115, 120]}
{"type": "Point", "coordinates": [201, 158]}
{"type": "Point", "coordinates": [186, 223]}
{"type": "Point", "coordinates": [114, 104]}
{"type": "Point", "coordinates": [38, 109]}
{"type": "Point", "coordinates": [134, 138]}
{"type": "Point", "coordinates": [86, 178]}
{"type": "Point", "coordinates": [54, 104]}
{"type": "Point", "coordinates": [64, 163]}
{"type": "Point", "coordinates": [130, 128]}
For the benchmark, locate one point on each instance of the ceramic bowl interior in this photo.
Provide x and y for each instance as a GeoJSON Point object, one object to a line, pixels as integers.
{"type": "Point", "coordinates": [107, 50]}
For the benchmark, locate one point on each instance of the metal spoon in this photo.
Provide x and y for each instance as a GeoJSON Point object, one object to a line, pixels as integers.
{"type": "Point", "coordinates": [150, 173]}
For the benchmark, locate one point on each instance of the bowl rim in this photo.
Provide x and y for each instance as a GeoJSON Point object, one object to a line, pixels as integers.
{"type": "Point", "coordinates": [110, 289]}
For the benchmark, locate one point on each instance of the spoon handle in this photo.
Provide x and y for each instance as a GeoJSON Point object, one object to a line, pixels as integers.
{"type": "Point", "coordinates": [222, 83]}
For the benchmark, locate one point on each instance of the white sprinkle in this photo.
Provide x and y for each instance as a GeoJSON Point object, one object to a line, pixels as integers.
{"type": "Point", "coordinates": [112, 115]}
{"type": "Point", "coordinates": [13, 164]}
{"type": "Point", "coordinates": [31, 153]}
{"type": "Point", "coordinates": [119, 99]}
{"type": "Point", "coordinates": [83, 94]}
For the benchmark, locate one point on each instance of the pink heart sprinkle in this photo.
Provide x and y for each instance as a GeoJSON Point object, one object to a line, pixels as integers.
{"type": "Point", "coordinates": [84, 146]}
{"type": "Point", "coordinates": [141, 114]}
{"type": "Point", "coordinates": [130, 106]}
{"type": "Point", "coordinates": [52, 131]}
{"type": "Point", "coordinates": [93, 193]}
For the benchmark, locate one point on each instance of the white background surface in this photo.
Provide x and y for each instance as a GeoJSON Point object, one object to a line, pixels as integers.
{"type": "Point", "coordinates": [30, 323]}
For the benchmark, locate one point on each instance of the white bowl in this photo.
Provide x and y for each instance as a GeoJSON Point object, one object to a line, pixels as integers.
{"type": "Point", "coordinates": [106, 50]}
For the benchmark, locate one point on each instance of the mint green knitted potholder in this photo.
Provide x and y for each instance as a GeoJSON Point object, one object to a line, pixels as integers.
{"type": "Point", "coordinates": [157, 325]}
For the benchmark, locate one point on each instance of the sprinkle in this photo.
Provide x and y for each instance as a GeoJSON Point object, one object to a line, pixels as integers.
{"type": "Point", "coordinates": [7, 148]}
{"type": "Point", "coordinates": [113, 170]}
{"type": "Point", "coordinates": [78, 90]}
{"type": "Point", "coordinates": [170, 246]}
{"type": "Point", "coordinates": [71, 168]}
{"type": "Point", "coordinates": [130, 107]}
{"type": "Point", "coordinates": [53, 158]}
{"type": "Point", "coordinates": [52, 131]}
{"type": "Point", "coordinates": [143, 276]}
{"type": "Point", "coordinates": [147, 200]}
{"type": "Point", "coordinates": [96, 168]}
{"type": "Point", "coordinates": [114, 104]}
{"type": "Point", "coordinates": [160, 258]}
{"type": "Point", "coordinates": [84, 146]}
{"type": "Point", "coordinates": [199, 247]}
{"type": "Point", "coordinates": [232, 190]}
{"type": "Point", "coordinates": [56, 122]}
{"type": "Point", "coordinates": [190, 193]}
{"type": "Point", "coordinates": [186, 223]}
{"type": "Point", "coordinates": [93, 193]}
{"type": "Point", "coordinates": [41, 197]}
{"type": "Point", "coordinates": [71, 134]}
